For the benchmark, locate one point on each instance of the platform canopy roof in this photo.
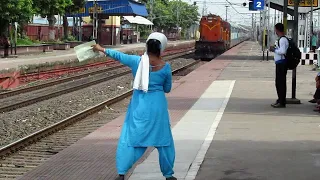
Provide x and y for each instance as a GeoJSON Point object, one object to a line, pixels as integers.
{"type": "Point", "coordinates": [238, 26]}
{"type": "Point", "coordinates": [304, 6]}
{"type": "Point", "coordinates": [112, 8]}
{"type": "Point", "coordinates": [138, 20]}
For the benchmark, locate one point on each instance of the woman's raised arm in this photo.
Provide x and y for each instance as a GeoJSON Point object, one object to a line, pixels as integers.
{"type": "Point", "coordinates": [126, 59]}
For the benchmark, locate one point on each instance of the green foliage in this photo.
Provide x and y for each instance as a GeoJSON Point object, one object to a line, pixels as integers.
{"type": "Point", "coordinates": [72, 8]}
{"type": "Point", "coordinates": [15, 11]}
{"type": "Point", "coordinates": [187, 14]}
{"type": "Point", "coordinates": [24, 41]}
{"type": "Point", "coordinates": [71, 38]}
{"type": "Point", "coordinates": [144, 32]}
{"type": "Point", "coordinates": [167, 14]}
{"type": "Point", "coordinates": [75, 6]}
{"type": "Point", "coordinates": [48, 8]}
{"type": "Point", "coordinates": [53, 41]}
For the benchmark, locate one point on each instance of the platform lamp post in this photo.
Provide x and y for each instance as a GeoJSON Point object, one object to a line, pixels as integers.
{"type": "Point", "coordinates": [293, 99]}
{"type": "Point", "coordinates": [311, 22]}
{"type": "Point", "coordinates": [95, 22]}
{"type": "Point", "coordinates": [285, 15]}
{"type": "Point", "coordinates": [151, 12]}
{"type": "Point", "coordinates": [15, 37]}
{"type": "Point", "coordinates": [227, 12]}
{"type": "Point", "coordinates": [268, 29]}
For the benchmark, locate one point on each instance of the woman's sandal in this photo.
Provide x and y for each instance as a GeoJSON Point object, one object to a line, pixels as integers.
{"type": "Point", "coordinates": [317, 108]}
{"type": "Point", "coordinates": [120, 177]}
{"type": "Point", "coordinates": [171, 178]}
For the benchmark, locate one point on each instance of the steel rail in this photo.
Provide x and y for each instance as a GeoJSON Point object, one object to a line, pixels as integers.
{"type": "Point", "coordinates": [34, 137]}
{"type": "Point", "coordinates": [16, 105]}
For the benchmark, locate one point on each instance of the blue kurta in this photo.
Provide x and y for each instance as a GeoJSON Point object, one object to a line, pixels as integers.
{"type": "Point", "coordinates": [147, 120]}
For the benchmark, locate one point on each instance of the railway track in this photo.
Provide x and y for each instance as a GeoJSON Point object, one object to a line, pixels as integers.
{"type": "Point", "coordinates": [37, 73]}
{"type": "Point", "coordinates": [12, 104]}
{"type": "Point", "coordinates": [55, 82]}
{"type": "Point", "coordinates": [27, 153]}
{"type": "Point", "coordinates": [71, 78]}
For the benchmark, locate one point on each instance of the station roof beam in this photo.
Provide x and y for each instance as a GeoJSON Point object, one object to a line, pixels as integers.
{"type": "Point", "coordinates": [113, 8]}
{"type": "Point", "coordinates": [304, 6]}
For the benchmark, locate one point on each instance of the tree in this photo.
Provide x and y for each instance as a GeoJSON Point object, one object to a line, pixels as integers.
{"type": "Point", "coordinates": [161, 15]}
{"type": "Point", "coordinates": [14, 11]}
{"type": "Point", "coordinates": [74, 8]}
{"type": "Point", "coordinates": [184, 14]}
{"type": "Point", "coordinates": [48, 9]}
{"type": "Point", "coordinates": [168, 15]}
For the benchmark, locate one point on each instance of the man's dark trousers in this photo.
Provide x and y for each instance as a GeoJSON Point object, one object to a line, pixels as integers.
{"type": "Point", "coordinates": [317, 94]}
{"type": "Point", "coordinates": [6, 50]}
{"type": "Point", "coordinates": [281, 82]}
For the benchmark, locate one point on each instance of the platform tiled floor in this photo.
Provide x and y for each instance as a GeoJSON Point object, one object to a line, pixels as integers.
{"type": "Point", "coordinates": [252, 141]}
{"type": "Point", "coordinates": [94, 155]}
{"type": "Point", "coordinates": [255, 141]}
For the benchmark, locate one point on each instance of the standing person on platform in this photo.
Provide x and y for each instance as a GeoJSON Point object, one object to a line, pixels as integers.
{"type": "Point", "coordinates": [316, 96]}
{"type": "Point", "coordinates": [5, 43]}
{"type": "Point", "coordinates": [147, 121]}
{"type": "Point", "coordinates": [280, 51]}
{"type": "Point", "coordinates": [314, 41]}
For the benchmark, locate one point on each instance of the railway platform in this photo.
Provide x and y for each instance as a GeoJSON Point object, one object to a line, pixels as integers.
{"type": "Point", "coordinates": [223, 127]}
{"type": "Point", "coordinates": [61, 55]}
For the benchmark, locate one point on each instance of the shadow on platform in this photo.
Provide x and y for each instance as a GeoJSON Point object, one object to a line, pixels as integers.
{"type": "Point", "coordinates": [260, 160]}
{"type": "Point", "coordinates": [244, 106]}
{"type": "Point", "coordinates": [242, 57]}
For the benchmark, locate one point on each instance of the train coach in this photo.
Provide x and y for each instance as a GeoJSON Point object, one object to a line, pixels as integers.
{"type": "Point", "coordinates": [217, 36]}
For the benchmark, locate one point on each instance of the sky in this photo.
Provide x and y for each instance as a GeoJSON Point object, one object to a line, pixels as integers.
{"type": "Point", "coordinates": [217, 7]}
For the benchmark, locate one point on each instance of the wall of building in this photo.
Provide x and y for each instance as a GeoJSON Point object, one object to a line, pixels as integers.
{"type": "Point", "coordinates": [108, 27]}
{"type": "Point", "coordinates": [41, 32]}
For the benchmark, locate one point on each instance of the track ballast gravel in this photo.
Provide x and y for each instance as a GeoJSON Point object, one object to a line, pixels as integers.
{"type": "Point", "coordinates": [24, 121]}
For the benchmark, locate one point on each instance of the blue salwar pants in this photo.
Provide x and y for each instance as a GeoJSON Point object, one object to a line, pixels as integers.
{"type": "Point", "coordinates": [128, 155]}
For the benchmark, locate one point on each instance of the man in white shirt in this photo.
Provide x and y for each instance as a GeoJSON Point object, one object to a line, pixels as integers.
{"type": "Point", "coordinates": [280, 50]}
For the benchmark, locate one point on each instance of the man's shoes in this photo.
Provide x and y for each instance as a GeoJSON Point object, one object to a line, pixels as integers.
{"type": "Point", "coordinates": [278, 105]}
{"type": "Point", "coordinates": [171, 178]}
{"type": "Point", "coordinates": [120, 177]}
{"type": "Point", "coordinates": [313, 101]}
{"type": "Point", "coordinates": [275, 103]}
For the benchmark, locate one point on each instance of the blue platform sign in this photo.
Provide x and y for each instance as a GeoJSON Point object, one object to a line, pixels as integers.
{"type": "Point", "coordinates": [258, 4]}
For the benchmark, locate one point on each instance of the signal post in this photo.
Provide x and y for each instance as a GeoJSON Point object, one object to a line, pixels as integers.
{"type": "Point", "coordinates": [259, 5]}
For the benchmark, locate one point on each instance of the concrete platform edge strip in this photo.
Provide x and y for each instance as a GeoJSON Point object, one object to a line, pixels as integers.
{"type": "Point", "coordinates": [194, 168]}
{"type": "Point", "coordinates": [149, 169]}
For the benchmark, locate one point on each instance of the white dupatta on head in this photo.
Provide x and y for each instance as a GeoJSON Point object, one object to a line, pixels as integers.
{"type": "Point", "coordinates": [141, 80]}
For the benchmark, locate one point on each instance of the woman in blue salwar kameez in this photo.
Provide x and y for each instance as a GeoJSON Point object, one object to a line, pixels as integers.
{"type": "Point", "coordinates": [147, 122]}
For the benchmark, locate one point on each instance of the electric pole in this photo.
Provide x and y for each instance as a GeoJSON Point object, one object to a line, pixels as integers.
{"type": "Point", "coordinates": [295, 39]}
{"type": "Point", "coordinates": [252, 26]}
{"type": "Point", "coordinates": [95, 21]}
{"type": "Point", "coordinates": [204, 8]}
{"type": "Point", "coordinates": [285, 12]}
{"type": "Point", "coordinates": [227, 12]}
{"type": "Point", "coordinates": [311, 23]}
{"type": "Point", "coordinates": [318, 19]}
{"type": "Point", "coordinates": [268, 30]}
{"type": "Point", "coordinates": [151, 12]}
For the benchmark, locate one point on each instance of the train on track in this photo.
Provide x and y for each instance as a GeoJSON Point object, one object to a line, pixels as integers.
{"type": "Point", "coordinates": [217, 36]}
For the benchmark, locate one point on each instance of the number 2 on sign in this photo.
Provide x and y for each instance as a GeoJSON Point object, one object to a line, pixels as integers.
{"type": "Point", "coordinates": [259, 4]}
